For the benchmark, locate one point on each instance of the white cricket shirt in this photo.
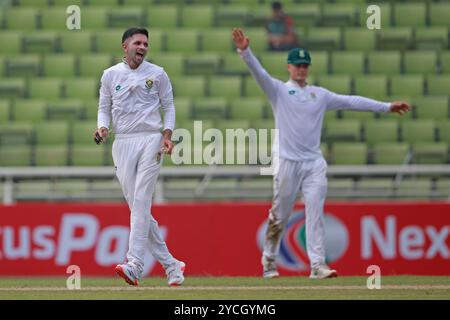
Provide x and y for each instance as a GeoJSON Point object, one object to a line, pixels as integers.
{"type": "Point", "coordinates": [133, 98]}
{"type": "Point", "coordinates": [299, 112]}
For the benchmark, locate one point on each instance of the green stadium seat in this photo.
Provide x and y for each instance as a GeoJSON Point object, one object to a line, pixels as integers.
{"type": "Point", "coordinates": [378, 188]}
{"type": "Point", "coordinates": [345, 153]}
{"type": "Point", "coordinates": [45, 88]}
{"type": "Point", "coordinates": [443, 128]}
{"type": "Point", "coordinates": [42, 42]}
{"type": "Point", "coordinates": [90, 108]}
{"type": "Point", "coordinates": [184, 41]}
{"type": "Point", "coordinates": [231, 15]}
{"type": "Point", "coordinates": [439, 13]}
{"type": "Point", "coordinates": [155, 41]}
{"type": "Point", "coordinates": [29, 110]}
{"type": "Point", "coordinates": [80, 41]}
{"type": "Point", "coordinates": [210, 108]}
{"type": "Point", "coordinates": [173, 63]}
{"type": "Point", "coordinates": [15, 156]}
{"type": "Point", "coordinates": [14, 41]}
{"type": "Point", "coordinates": [12, 88]}
{"type": "Point", "coordinates": [59, 65]}
{"type": "Point", "coordinates": [194, 87]}
{"type": "Point", "coordinates": [326, 38]}
{"type": "Point", "coordinates": [109, 41]}
{"type": "Point", "coordinates": [380, 131]}
{"type": "Point", "coordinates": [66, 3]}
{"type": "Point", "coordinates": [5, 111]}
{"type": "Point", "coordinates": [385, 153]}
{"type": "Point", "coordinates": [224, 86]}
{"type": "Point", "coordinates": [142, 3]}
{"type": "Point", "coordinates": [81, 88]}
{"type": "Point", "coordinates": [51, 155]}
{"type": "Point", "coordinates": [81, 132]}
{"type": "Point", "coordinates": [56, 18]}
{"type": "Point", "coordinates": [163, 16]}
{"type": "Point", "coordinates": [431, 38]}
{"type": "Point", "coordinates": [414, 188]}
{"type": "Point", "coordinates": [263, 124]}
{"type": "Point", "coordinates": [124, 17]}
{"type": "Point", "coordinates": [434, 108]}
{"type": "Point", "coordinates": [384, 62]}
{"type": "Point", "coordinates": [21, 18]}
{"type": "Point", "coordinates": [16, 133]}
{"type": "Point", "coordinates": [430, 153]}
{"type": "Point", "coordinates": [340, 84]}
{"type": "Point", "coordinates": [275, 64]}
{"type": "Point", "coordinates": [94, 18]}
{"type": "Point", "coordinates": [343, 130]}
{"type": "Point", "coordinates": [94, 65]}
{"type": "Point", "coordinates": [65, 109]}
{"type": "Point", "coordinates": [418, 131]}
{"type": "Point", "coordinates": [105, 3]}
{"type": "Point", "coordinates": [339, 15]}
{"type": "Point", "coordinates": [360, 39]}
{"type": "Point", "coordinates": [351, 63]}
{"type": "Point", "coordinates": [248, 108]}
{"type": "Point", "coordinates": [353, 115]}
{"type": "Point", "coordinates": [202, 64]}
{"type": "Point", "coordinates": [258, 39]}
{"type": "Point", "coordinates": [410, 14]}
{"type": "Point", "coordinates": [252, 88]}
{"type": "Point", "coordinates": [183, 106]}
{"type": "Point", "coordinates": [398, 38]}
{"type": "Point", "coordinates": [217, 40]}
{"type": "Point", "coordinates": [232, 64]}
{"type": "Point", "coordinates": [407, 85]}
{"type": "Point", "coordinates": [445, 61]}
{"type": "Point", "coordinates": [309, 14]}
{"type": "Point", "coordinates": [438, 85]}
{"type": "Point", "coordinates": [52, 133]}
{"type": "Point", "coordinates": [420, 62]}
{"type": "Point", "coordinates": [197, 16]}
{"type": "Point", "coordinates": [23, 66]}
{"type": "Point", "coordinates": [320, 63]}
{"type": "Point", "coordinates": [223, 125]}
{"type": "Point", "coordinates": [371, 86]}
{"type": "Point", "coordinates": [258, 16]}
{"type": "Point", "coordinates": [32, 3]}
{"type": "Point", "coordinates": [88, 155]}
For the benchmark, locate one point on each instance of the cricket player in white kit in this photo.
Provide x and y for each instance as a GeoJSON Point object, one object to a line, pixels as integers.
{"type": "Point", "coordinates": [299, 109]}
{"type": "Point", "coordinates": [132, 92]}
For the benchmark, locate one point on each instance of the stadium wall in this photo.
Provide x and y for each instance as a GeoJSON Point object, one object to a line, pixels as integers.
{"type": "Point", "coordinates": [225, 239]}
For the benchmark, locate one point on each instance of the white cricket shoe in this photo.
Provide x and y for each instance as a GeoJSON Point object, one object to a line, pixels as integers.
{"type": "Point", "coordinates": [322, 272]}
{"type": "Point", "coordinates": [175, 272]}
{"type": "Point", "coordinates": [128, 273]}
{"type": "Point", "coordinates": [269, 268]}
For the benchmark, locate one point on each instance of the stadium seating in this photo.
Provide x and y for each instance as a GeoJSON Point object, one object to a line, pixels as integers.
{"type": "Point", "coordinates": [49, 76]}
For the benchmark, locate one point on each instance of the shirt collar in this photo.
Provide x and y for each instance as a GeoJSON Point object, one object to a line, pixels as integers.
{"type": "Point", "coordinates": [294, 83]}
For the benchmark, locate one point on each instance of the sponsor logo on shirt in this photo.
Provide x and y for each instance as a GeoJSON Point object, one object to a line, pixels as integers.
{"type": "Point", "coordinates": [313, 95]}
{"type": "Point", "coordinates": [291, 92]}
{"type": "Point", "coordinates": [118, 87]}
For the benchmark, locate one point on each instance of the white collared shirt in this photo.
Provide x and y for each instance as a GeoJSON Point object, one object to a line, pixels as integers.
{"type": "Point", "coordinates": [299, 112]}
{"type": "Point", "coordinates": [133, 97]}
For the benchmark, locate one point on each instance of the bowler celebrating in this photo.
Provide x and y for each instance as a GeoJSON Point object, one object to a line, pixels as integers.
{"type": "Point", "coordinates": [299, 109]}
{"type": "Point", "coordinates": [133, 91]}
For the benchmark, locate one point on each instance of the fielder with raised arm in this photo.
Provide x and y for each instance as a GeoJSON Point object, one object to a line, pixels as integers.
{"type": "Point", "coordinates": [133, 91]}
{"type": "Point", "coordinates": [299, 109]}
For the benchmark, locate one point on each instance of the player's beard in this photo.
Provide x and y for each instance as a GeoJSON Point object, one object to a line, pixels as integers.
{"type": "Point", "coordinates": [137, 58]}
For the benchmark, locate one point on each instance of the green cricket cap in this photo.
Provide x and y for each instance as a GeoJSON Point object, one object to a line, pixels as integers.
{"type": "Point", "coordinates": [299, 56]}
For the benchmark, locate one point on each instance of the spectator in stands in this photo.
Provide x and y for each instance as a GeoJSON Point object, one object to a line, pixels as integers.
{"type": "Point", "coordinates": [280, 30]}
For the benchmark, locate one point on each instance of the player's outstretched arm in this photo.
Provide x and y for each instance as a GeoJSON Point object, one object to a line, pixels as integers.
{"type": "Point", "coordinates": [400, 107]}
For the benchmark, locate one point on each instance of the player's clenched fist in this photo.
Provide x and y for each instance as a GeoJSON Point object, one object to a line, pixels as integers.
{"type": "Point", "coordinates": [240, 40]}
{"type": "Point", "coordinates": [100, 135]}
{"type": "Point", "coordinates": [400, 107]}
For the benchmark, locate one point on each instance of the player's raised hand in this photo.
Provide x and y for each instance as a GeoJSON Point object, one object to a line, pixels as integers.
{"type": "Point", "coordinates": [240, 40]}
{"type": "Point", "coordinates": [100, 135]}
{"type": "Point", "coordinates": [400, 107]}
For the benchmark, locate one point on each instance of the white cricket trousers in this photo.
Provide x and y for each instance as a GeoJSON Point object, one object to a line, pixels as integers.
{"type": "Point", "coordinates": [290, 177]}
{"type": "Point", "coordinates": [137, 165]}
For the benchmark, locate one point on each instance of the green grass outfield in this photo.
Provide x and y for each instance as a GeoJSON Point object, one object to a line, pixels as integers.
{"type": "Point", "coordinates": [229, 288]}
